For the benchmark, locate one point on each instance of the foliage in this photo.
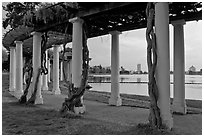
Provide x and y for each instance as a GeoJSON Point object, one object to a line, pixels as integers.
{"type": "Point", "coordinates": [16, 11]}
{"type": "Point", "coordinates": [48, 13]}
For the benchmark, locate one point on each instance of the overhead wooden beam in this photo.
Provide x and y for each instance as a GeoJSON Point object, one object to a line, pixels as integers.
{"type": "Point", "coordinates": [102, 8]}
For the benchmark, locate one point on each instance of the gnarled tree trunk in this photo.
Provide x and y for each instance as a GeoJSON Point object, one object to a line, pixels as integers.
{"type": "Point", "coordinates": [154, 116]}
{"type": "Point", "coordinates": [74, 99]}
{"type": "Point", "coordinates": [41, 70]}
{"type": "Point", "coordinates": [29, 70]}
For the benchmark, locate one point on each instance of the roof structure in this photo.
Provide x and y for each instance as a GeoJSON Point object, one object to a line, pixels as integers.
{"type": "Point", "coordinates": [100, 18]}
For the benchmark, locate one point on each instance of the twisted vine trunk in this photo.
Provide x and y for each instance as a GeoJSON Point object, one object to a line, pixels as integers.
{"type": "Point", "coordinates": [33, 96]}
{"type": "Point", "coordinates": [67, 83]}
{"type": "Point", "coordinates": [74, 99]}
{"type": "Point", "coordinates": [154, 116]}
{"type": "Point", "coordinates": [41, 70]}
{"type": "Point", "coordinates": [23, 98]}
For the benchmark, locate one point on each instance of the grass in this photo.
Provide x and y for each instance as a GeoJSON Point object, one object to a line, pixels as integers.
{"type": "Point", "coordinates": [18, 119]}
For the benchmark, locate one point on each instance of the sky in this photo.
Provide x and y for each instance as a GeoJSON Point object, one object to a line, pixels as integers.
{"type": "Point", "coordinates": [132, 47]}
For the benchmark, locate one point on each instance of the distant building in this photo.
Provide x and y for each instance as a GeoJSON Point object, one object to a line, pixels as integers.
{"type": "Point", "coordinates": [192, 69]}
{"type": "Point", "coordinates": [139, 70]}
{"type": "Point", "coordinates": [138, 67]}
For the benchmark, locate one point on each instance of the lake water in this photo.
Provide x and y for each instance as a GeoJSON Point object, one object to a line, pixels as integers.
{"type": "Point", "coordinates": [192, 91]}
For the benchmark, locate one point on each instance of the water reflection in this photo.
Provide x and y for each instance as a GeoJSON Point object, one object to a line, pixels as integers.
{"type": "Point", "coordinates": [189, 79]}
{"type": "Point", "coordinates": [137, 84]}
{"type": "Point", "coordinates": [98, 79]}
{"type": "Point", "coordinates": [105, 79]}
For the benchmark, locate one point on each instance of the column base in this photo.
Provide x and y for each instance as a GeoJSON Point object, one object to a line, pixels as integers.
{"type": "Point", "coordinates": [179, 108]}
{"type": "Point", "coordinates": [11, 89]}
{"type": "Point", "coordinates": [44, 87]}
{"type": "Point", "coordinates": [38, 100]}
{"type": "Point", "coordinates": [80, 110]}
{"type": "Point", "coordinates": [17, 94]}
{"type": "Point", "coordinates": [115, 101]}
{"type": "Point", "coordinates": [167, 120]}
{"type": "Point", "coordinates": [56, 91]}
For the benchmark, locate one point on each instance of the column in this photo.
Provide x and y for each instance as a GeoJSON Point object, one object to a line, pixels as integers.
{"type": "Point", "coordinates": [61, 70]}
{"type": "Point", "coordinates": [76, 51]}
{"type": "Point", "coordinates": [12, 73]}
{"type": "Point", "coordinates": [44, 77]}
{"type": "Point", "coordinates": [179, 104]}
{"type": "Point", "coordinates": [37, 64]}
{"type": "Point", "coordinates": [56, 89]}
{"type": "Point", "coordinates": [115, 95]}
{"type": "Point", "coordinates": [24, 63]}
{"type": "Point", "coordinates": [19, 67]}
{"type": "Point", "coordinates": [69, 74]}
{"type": "Point", "coordinates": [77, 56]}
{"type": "Point", "coordinates": [48, 67]}
{"type": "Point", "coordinates": [163, 61]}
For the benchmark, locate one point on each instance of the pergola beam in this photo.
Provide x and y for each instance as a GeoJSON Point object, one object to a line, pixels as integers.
{"type": "Point", "coordinates": [102, 8]}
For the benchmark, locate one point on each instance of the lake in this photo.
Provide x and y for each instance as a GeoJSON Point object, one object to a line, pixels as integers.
{"type": "Point", "coordinates": [137, 84]}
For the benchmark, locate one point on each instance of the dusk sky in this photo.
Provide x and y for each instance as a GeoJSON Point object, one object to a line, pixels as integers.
{"type": "Point", "coordinates": [133, 48]}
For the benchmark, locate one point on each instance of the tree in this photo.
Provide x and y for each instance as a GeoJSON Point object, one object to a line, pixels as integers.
{"type": "Point", "coordinates": [16, 12]}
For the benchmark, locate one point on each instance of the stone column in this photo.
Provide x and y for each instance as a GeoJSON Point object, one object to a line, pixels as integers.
{"type": "Point", "coordinates": [12, 74]}
{"type": "Point", "coordinates": [37, 64]}
{"type": "Point", "coordinates": [48, 67]}
{"type": "Point", "coordinates": [76, 51]}
{"type": "Point", "coordinates": [163, 62]}
{"type": "Point", "coordinates": [115, 95]}
{"type": "Point", "coordinates": [77, 56]}
{"type": "Point", "coordinates": [179, 104]}
{"type": "Point", "coordinates": [19, 68]}
{"type": "Point", "coordinates": [69, 69]}
{"type": "Point", "coordinates": [24, 76]}
{"type": "Point", "coordinates": [44, 77]}
{"type": "Point", "coordinates": [61, 71]}
{"type": "Point", "coordinates": [56, 89]}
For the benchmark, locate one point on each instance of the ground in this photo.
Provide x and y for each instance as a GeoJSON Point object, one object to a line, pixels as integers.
{"type": "Point", "coordinates": [100, 119]}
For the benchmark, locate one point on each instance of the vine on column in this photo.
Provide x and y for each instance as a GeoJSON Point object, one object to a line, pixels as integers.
{"type": "Point", "coordinates": [154, 116]}
{"type": "Point", "coordinates": [74, 99]}
{"type": "Point", "coordinates": [41, 70]}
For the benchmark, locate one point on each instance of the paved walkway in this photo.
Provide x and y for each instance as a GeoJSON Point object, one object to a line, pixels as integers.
{"type": "Point", "coordinates": [124, 115]}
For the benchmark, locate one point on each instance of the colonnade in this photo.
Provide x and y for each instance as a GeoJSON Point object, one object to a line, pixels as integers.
{"type": "Point", "coordinates": [162, 72]}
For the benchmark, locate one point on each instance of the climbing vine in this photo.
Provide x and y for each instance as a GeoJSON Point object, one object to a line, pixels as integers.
{"type": "Point", "coordinates": [74, 98]}
{"type": "Point", "coordinates": [41, 70]}
{"type": "Point", "coordinates": [67, 83]}
{"type": "Point", "coordinates": [154, 116]}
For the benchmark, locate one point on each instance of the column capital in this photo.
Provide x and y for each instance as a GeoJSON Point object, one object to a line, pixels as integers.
{"type": "Point", "coordinates": [36, 33]}
{"type": "Point", "coordinates": [178, 22]}
{"type": "Point", "coordinates": [115, 32]}
{"type": "Point", "coordinates": [76, 19]}
{"type": "Point", "coordinates": [18, 42]}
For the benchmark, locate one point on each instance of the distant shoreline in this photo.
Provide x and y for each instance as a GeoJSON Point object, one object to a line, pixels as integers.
{"type": "Point", "coordinates": [134, 82]}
